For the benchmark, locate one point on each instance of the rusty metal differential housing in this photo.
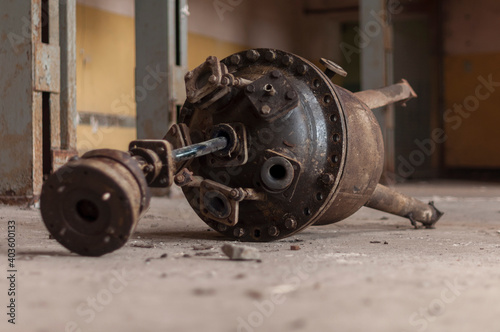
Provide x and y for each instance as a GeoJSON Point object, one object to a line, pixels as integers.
{"type": "Point", "coordinates": [313, 151]}
{"type": "Point", "coordinates": [266, 145]}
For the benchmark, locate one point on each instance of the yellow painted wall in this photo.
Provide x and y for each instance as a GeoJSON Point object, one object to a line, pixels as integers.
{"type": "Point", "coordinates": [105, 60]}
{"type": "Point", "coordinates": [89, 138]}
{"type": "Point", "coordinates": [105, 44]}
{"type": "Point", "coordinates": [473, 136]}
{"type": "Point", "coordinates": [200, 47]}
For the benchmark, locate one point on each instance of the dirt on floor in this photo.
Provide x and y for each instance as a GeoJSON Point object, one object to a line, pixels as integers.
{"type": "Point", "coordinates": [370, 272]}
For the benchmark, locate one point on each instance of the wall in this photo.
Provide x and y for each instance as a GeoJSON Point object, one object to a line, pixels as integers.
{"type": "Point", "coordinates": [105, 77]}
{"type": "Point", "coordinates": [472, 51]}
{"type": "Point", "coordinates": [106, 57]}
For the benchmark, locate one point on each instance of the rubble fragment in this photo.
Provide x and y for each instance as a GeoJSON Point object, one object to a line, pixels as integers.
{"type": "Point", "coordinates": [239, 252]}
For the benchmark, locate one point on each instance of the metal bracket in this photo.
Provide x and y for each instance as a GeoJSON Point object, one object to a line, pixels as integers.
{"type": "Point", "coordinates": [272, 96]}
{"type": "Point", "coordinates": [216, 203]}
{"type": "Point", "coordinates": [164, 151]}
{"type": "Point", "coordinates": [178, 136]}
{"type": "Point", "coordinates": [237, 157]}
{"type": "Point", "coordinates": [204, 79]}
{"type": "Point", "coordinates": [332, 68]}
{"type": "Point", "coordinates": [287, 194]}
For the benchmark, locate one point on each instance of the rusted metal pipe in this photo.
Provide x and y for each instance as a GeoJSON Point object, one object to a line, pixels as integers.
{"type": "Point", "coordinates": [388, 200]}
{"type": "Point", "coordinates": [400, 92]}
{"type": "Point", "coordinates": [200, 149]}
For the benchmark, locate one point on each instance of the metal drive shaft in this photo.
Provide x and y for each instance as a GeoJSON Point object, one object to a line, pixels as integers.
{"type": "Point", "coordinates": [200, 149]}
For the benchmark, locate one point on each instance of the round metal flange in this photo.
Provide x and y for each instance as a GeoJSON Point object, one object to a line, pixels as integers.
{"type": "Point", "coordinates": [91, 206]}
{"type": "Point", "coordinates": [308, 140]}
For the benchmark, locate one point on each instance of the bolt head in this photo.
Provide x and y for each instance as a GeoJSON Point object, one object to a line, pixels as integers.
{"type": "Point", "coordinates": [302, 69]}
{"type": "Point", "coordinates": [250, 89]}
{"type": "Point", "coordinates": [275, 74]}
{"type": "Point", "coordinates": [188, 76]}
{"type": "Point", "coordinates": [270, 56]}
{"type": "Point", "coordinates": [212, 79]}
{"type": "Point", "coordinates": [287, 60]}
{"type": "Point", "coordinates": [238, 232]}
{"type": "Point", "coordinates": [291, 95]}
{"type": "Point", "coordinates": [273, 231]}
{"type": "Point", "coordinates": [211, 60]}
{"type": "Point", "coordinates": [179, 178]}
{"type": "Point", "coordinates": [235, 59]}
{"type": "Point", "coordinates": [290, 223]}
{"type": "Point", "coordinates": [234, 193]}
{"type": "Point", "coordinates": [265, 109]}
{"type": "Point", "coordinates": [327, 178]}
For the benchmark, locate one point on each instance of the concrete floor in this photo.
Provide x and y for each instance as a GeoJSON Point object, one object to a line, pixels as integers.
{"type": "Point", "coordinates": [344, 278]}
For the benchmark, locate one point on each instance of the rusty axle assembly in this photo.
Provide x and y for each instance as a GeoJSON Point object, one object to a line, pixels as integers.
{"type": "Point", "coordinates": [266, 146]}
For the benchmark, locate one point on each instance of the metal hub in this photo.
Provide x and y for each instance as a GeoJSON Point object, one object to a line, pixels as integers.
{"type": "Point", "coordinates": [288, 108]}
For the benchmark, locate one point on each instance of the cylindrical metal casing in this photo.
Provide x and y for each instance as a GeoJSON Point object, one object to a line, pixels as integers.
{"type": "Point", "coordinates": [364, 160]}
{"type": "Point", "coordinates": [92, 205]}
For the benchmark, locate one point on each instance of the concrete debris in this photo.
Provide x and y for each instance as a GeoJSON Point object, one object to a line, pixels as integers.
{"type": "Point", "coordinates": [295, 247]}
{"type": "Point", "coordinates": [284, 289]}
{"type": "Point", "coordinates": [140, 244]}
{"type": "Point", "coordinates": [239, 252]}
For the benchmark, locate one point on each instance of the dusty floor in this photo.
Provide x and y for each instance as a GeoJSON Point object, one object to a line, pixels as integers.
{"type": "Point", "coordinates": [344, 278]}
